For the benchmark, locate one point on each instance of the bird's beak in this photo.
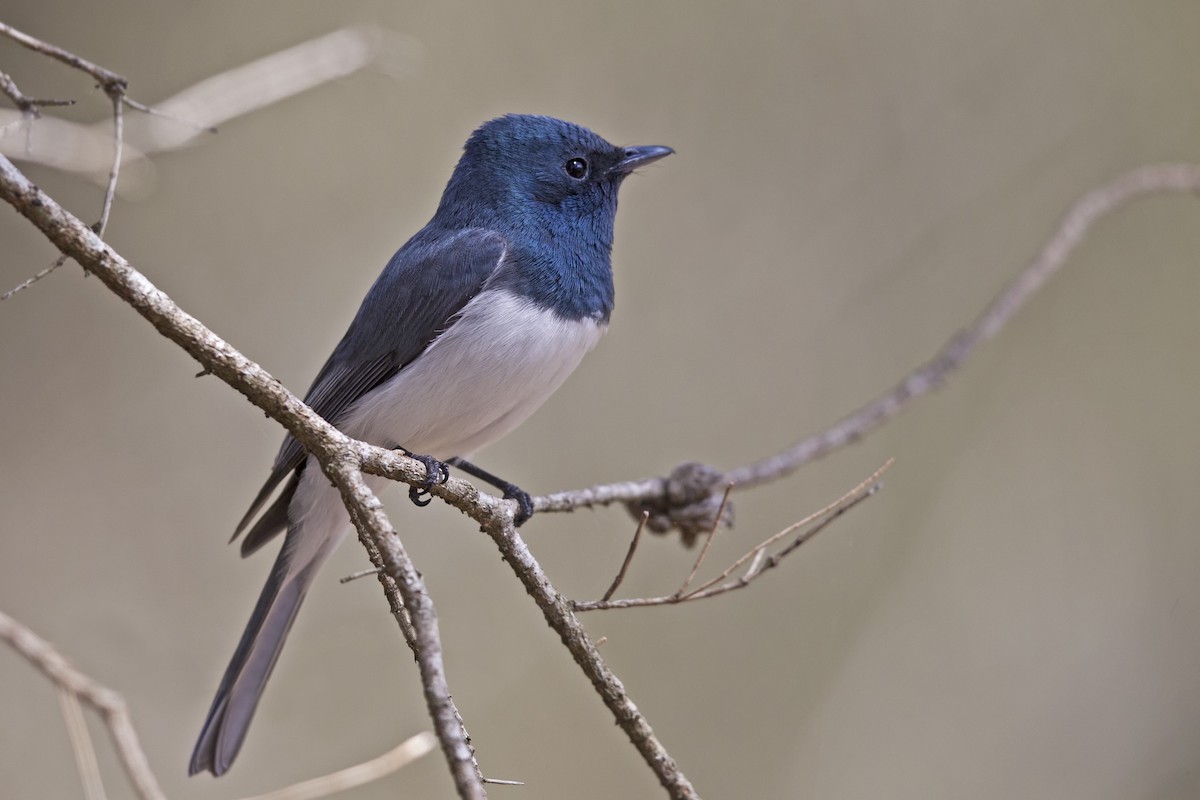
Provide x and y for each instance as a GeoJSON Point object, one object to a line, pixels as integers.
{"type": "Point", "coordinates": [635, 157]}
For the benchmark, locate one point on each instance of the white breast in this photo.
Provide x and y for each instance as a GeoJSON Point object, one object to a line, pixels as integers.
{"type": "Point", "coordinates": [476, 382]}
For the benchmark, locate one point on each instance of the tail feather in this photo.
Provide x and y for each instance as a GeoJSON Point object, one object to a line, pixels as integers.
{"type": "Point", "coordinates": [273, 520]}
{"type": "Point", "coordinates": [242, 685]}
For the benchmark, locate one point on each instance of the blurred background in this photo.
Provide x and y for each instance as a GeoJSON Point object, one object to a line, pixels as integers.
{"type": "Point", "coordinates": [1017, 614]}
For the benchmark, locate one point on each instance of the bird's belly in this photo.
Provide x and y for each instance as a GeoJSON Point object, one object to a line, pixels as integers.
{"type": "Point", "coordinates": [478, 381]}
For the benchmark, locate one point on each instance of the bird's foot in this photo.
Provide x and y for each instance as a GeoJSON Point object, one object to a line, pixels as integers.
{"type": "Point", "coordinates": [511, 490]}
{"type": "Point", "coordinates": [436, 473]}
{"type": "Point", "coordinates": [524, 503]}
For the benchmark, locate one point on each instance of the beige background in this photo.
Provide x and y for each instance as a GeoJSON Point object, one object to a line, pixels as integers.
{"type": "Point", "coordinates": [1015, 616]}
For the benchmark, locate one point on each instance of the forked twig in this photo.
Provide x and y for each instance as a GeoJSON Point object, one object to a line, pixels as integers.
{"type": "Point", "coordinates": [115, 87]}
{"type": "Point", "coordinates": [111, 706]}
{"type": "Point", "coordinates": [760, 562]}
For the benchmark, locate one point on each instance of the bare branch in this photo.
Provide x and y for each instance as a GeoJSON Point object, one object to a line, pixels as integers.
{"type": "Point", "coordinates": [114, 86]}
{"type": "Point", "coordinates": [25, 284]}
{"type": "Point", "coordinates": [397, 758]}
{"type": "Point", "coordinates": [28, 106]}
{"type": "Point", "coordinates": [111, 706]}
{"type": "Point", "coordinates": [1079, 219]}
{"type": "Point", "coordinates": [1075, 225]}
{"type": "Point", "coordinates": [104, 77]}
{"type": "Point", "coordinates": [110, 191]}
{"type": "Point", "coordinates": [362, 573]}
{"type": "Point", "coordinates": [558, 613]}
{"type": "Point", "coordinates": [760, 564]}
{"type": "Point", "coordinates": [756, 552]}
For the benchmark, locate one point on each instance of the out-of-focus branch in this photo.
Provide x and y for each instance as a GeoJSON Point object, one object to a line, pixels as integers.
{"type": "Point", "coordinates": [200, 108]}
{"type": "Point", "coordinates": [110, 705]}
{"type": "Point", "coordinates": [677, 500]}
{"type": "Point", "coordinates": [74, 686]}
{"type": "Point", "coordinates": [395, 759]}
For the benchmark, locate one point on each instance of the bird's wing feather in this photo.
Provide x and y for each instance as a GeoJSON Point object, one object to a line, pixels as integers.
{"type": "Point", "coordinates": [416, 299]}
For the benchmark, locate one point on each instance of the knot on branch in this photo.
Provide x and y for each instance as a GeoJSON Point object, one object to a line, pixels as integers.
{"type": "Point", "coordinates": [690, 505]}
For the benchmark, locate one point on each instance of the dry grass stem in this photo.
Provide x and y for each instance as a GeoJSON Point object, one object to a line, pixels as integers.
{"type": "Point", "coordinates": [397, 758]}
{"type": "Point", "coordinates": [111, 706]}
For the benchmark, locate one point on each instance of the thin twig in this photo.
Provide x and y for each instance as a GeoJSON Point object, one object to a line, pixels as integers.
{"type": "Point", "coordinates": [103, 76]}
{"type": "Point", "coordinates": [760, 562]}
{"type": "Point", "coordinates": [58, 262]}
{"type": "Point", "coordinates": [113, 85]}
{"type": "Point", "coordinates": [637, 537]}
{"type": "Point", "coordinates": [117, 96]}
{"type": "Point", "coordinates": [27, 105]}
{"type": "Point", "coordinates": [712, 532]}
{"type": "Point", "coordinates": [757, 551]}
{"type": "Point", "coordinates": [362, 573]}
{"type": "Point", "coordinates": [111, 706]}
{"type": "Point", "coordinates": [769, 562]}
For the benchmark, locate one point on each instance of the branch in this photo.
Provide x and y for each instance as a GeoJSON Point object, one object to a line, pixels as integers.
{"type": "Point", "coordinates": [114, 86]}
{"type": "Point", "coordinates": [671, 498]}
{"type": "Point", "coordinates": [110, 705]}
{"type": "Point", "coordinates": [28, 106]}
{"type": "Point", "coordinates": [106, 78]}
{"type": "Point", "coordinates": [760, 562]}
{"type": "Point", "coordinates": [74, 686]}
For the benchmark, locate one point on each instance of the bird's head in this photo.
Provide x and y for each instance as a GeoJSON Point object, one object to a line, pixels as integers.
{"type": "Point", "coordinates": [523, 166]}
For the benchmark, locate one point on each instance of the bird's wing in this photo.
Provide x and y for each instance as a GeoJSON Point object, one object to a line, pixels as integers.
{"type": "Point", "coordinates": [416, 299]}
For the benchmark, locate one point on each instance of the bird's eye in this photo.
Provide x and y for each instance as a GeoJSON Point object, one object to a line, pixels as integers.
{"type": "Point", "coordinates": [577, 168]}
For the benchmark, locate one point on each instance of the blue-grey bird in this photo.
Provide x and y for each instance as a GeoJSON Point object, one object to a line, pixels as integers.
{"type": "Point", "coordinates": [473, 323]}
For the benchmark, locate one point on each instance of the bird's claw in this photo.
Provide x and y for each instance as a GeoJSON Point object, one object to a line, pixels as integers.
{"type": "Point", "coordinates": [436, 473]}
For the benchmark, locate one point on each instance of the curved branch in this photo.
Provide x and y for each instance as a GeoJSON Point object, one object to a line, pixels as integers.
{"type": "Point", "coordinates": [1075, 225]}
{"type": "Point", "coordinates": [112, 707]}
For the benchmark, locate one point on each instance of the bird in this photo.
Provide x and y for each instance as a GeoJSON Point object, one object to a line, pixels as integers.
{"type": "Point", "coordinates": [471, 326]}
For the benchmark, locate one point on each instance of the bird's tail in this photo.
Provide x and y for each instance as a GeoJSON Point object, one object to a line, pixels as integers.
{"type": "Point", "coordinates": [247, 673]}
